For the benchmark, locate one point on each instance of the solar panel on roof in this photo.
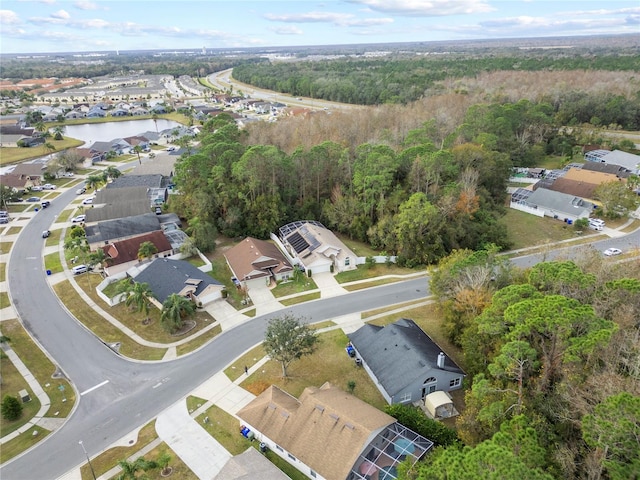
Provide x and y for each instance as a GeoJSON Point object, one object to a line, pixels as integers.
{"type": "Point", "coordinates": [297, 242]}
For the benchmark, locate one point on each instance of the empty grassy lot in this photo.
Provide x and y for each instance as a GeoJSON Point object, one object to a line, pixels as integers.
{"type": "Point", "coordinates": [527, 230]}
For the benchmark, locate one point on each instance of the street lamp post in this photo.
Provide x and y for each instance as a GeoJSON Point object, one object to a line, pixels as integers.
{"type": "Point", "coordinates": [88, 459]}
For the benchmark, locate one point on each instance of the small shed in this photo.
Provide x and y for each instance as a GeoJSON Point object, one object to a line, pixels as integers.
{"type": "Point", "coordinates": [439, 405]}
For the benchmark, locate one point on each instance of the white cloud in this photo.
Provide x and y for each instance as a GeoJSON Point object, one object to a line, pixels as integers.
{"type": "Point", "coordinates": [61, 14]}
{"type": "Point", "coordinates": [339, 19]}
{"type": "Point", "coordinates": [9, 17]}
{"type": "Point", "coordinates": [287, 30]}
{"type": "Point", "coordinates": [85, 5]}
{"type": "Point", "coordinates": [422, 8]}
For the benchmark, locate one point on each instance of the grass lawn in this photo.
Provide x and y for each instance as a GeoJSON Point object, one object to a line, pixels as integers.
{"type": "Point", "coordinates": [248, 359]}
{"type": "Point", "coordinates": [102, 328]}
{"type": "Point", "coordinates": [372, 283]}
{"type": "Point", "coordinates": [301, 283]}
{"type": "Point", "coordinates": [108, 459]}
{"type": "Point", "coordinates": [52, 262]}
{"type": "Point", "coordinates": [225, 428]}
{"type": "Point", "coordinates": [5, 247]}
{"type": "Point", "coordinates": [41, 368]}
{"type": "Point", "coordinates": [3, 271]}
{"type": "Point", "coordinates": [195, 260]}
{"type": "Point", "coordinates": [193, 403]}
{"type": "Point", "coordinates": [364, 272]}
{"type": "Point", "coordinates": [4, 299]}
{"type": "Point", "coordinates": [553, 162]}
{"type": "Point", "coordinates": [361, 249]}
{"type": "Point", "coordinates": [13, 230]}
{"type": "Point", "coordinates": [9, 155]}
{"type": "Point", "coordinates": [329, 363]}
{"type": "Point", "coordinates": [21, 443]}
{"type": "Point", "coordinates": [526, 230]}
{"type": "Point", "coordinates": [198, 341]}
{"type": "Point", "coordinates": [178, 469]}
{"type": "Point", "coordinates": [12, 383]}
{"type": "Point", "coordinates": [302, 298]}
{"type": "Point", "coordinates": [53, 238]}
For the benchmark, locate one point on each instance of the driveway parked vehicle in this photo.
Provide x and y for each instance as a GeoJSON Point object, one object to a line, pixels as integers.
{"type": "Point", "coordinates": [87, 201]}
{"type": "Point", "coordinates": [33, 199]}
{"type": "Point", "coordinates": [37, 188]}
{"type": "Point", "coordinates": [80, 191]}
{"type": "Point", "coordinates": [612, 251]}
{"type": "Point", "coordinates": [48, 186]}
{"type": "Point", "coordinates": [78, 219]}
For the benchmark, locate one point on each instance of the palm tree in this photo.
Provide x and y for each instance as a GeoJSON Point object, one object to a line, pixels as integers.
{"type": "Point", "coordinates": [139, 296]}
{"type": "Point", "coordinates": [138, 149]}
{"type": "Point", "coordinates": [110, 173]}
{"type": "Point", "coordinates": [39, 126]}
{"type": "Point", "coordinates": [130, 469]}
{"type": "Point", "coordinates": [92, 181]}
{"type": "Point", "coordinates": [49, 147]}
{"type": "Point", "coordinates": [174, 309]}
{"type": "Point", "coordinates": [163, 463]}
{"type": "Point", "coordinates": [58, 130]}
{"type": "Point", "coordinates": [147, 250]}
{"type": "Point", "coordinates": [154, 117]}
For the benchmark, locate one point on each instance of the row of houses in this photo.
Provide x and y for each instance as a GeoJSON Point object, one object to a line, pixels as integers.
{"type": "Point", "coordinates": [569, 194]}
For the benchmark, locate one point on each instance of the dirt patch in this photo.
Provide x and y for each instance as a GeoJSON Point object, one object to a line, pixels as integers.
{"type": "Point", "coordinates": [186, 328]}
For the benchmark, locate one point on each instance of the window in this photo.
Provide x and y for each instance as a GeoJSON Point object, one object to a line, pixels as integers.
{"type": "Point", "coordinates": [292, 457]}
{"type": "Point", "coordinates": [455, 382]}
{"type": "Point", "coordinates": [405, 397]}
{"type": "Point", "coordinates": [279, 448]}
{"type": "Point", "coordinates": [312, 473]}
{"type": "Point", "coordinates": [347, 261]}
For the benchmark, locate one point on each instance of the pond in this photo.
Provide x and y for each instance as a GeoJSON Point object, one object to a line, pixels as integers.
{"type": "Point", "coordinates": [105, 132]}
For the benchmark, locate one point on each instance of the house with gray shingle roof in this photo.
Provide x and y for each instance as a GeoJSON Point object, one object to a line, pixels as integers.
{"type": "Point", "coordinates": [404, 362]}
{"type": "Point", "coordinates": [559, 205]}
{"type": "Point", "coordinates": [166, 277]}
{"type": "Point", "coordinates": [110, 231]}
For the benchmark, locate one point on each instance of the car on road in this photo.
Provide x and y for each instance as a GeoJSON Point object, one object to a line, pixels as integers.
{"type": "Point", "coordinates": [81, 190]}
{"type": "Point", "coordinates": [87, 201]}
{"type": "Point", "coordinates": [33, 199]}
{"type": "Point", "coordinates": [45, 203]}
{"type": "Point", "coordinates": [158, 210]}
{"type": "Point", "coordinates": [48, 186]}
{"type": "Point", "coordinates": [78, 219]}
{"type": "Point", "coordinates": [609, 252]}
{"type": "Point", "coordinates": [46, 234]}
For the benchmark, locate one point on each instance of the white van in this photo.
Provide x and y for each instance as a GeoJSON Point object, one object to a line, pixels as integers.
{"type": "Point", "coordinates": [78, 269]}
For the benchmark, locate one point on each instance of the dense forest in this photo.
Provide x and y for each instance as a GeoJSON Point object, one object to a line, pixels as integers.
{"type": "Point", "coordinates": [436, 188]}
{"type": "Point", "coordinates": [379, 81]}
{"type": "Point", "coordinates": [553, 364]}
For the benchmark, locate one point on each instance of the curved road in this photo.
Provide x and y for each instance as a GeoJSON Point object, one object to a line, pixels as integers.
{"type": "Point", "coordinates": [135, 392]}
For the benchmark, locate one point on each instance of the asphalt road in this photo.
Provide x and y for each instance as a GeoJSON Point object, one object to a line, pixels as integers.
{"type": "Point", "coordinates": [115, 394]}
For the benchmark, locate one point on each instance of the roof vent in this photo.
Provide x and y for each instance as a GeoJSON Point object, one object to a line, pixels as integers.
{"type": "Point", "coordinates": [441, 360]}
{"type": "Point", "coordinates": [334, 416]}
{"type": "Point", "coordinates": [320, 407]}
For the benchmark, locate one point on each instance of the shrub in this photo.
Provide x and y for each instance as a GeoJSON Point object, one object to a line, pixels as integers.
{"type": "Point", "coordinates": [415, 419]}
{"type": "Point", "coordinates": [11, 408]}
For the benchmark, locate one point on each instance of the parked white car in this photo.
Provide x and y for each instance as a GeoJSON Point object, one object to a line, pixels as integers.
{"type": "Point", "coordinates": [78, 219]}
{"type": "Point", "coordinates": [48, 186]}
{"type": "Point", "coordinates": [87, 201]}
{"type": "Point", "coordinates": [609, 252]}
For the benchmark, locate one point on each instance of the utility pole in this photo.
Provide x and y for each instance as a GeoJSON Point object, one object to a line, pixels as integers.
{"type": "Point", "coordinates": [88, 459]}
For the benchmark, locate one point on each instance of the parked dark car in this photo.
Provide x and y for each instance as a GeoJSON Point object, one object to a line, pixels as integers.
{"type": "Point", "coordinates": [45, 204]}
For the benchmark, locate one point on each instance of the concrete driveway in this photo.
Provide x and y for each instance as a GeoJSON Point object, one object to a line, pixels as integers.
{"type": "Point", "coordinates": [328, 285]}
{"type": "Point", "coordinates": [263, 299]}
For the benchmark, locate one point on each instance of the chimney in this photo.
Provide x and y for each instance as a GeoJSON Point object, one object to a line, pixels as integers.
{"type": "Point", "coordinates": [441, 360]}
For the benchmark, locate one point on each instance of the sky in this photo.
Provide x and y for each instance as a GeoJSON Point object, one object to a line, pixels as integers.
{"type": "Point", "coordinates": [45, 26]}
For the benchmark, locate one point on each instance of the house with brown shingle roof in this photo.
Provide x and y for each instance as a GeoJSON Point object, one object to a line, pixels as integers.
{"type": "Point", "coordinates": [17, 183]}
{"type": "Point", "coordinates": [123, 254]}
{"type": "Point", "coordinates": [253, 261]}
{"type": "Point", "coordinates": [330, 434]}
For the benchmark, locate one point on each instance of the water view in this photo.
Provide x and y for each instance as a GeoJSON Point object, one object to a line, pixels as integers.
{"type": "Point", "coordinates": [104, 132]}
